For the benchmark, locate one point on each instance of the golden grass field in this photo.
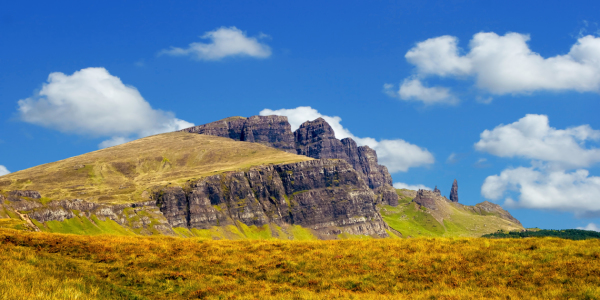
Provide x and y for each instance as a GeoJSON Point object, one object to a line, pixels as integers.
{"type": "Point", "coordinates": [58, 266]}
{"type": "Point", "coordinates": [122, 173]}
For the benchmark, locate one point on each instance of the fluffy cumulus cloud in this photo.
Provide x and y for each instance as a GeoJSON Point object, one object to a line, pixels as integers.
{"type": "Point", "coordinates": [223, 42]}
{"type": "Point", "coordinates": [3, 170]}
{"type": "Point", "coordinates": [556, 190]}
{"type": "Point", "coordinates": [556, 179]}
{"type": "Point", "coordinates": [590, 226]}
{"type": "Point", "coordinates": [412, 89]}
{"type": "Point", "coordinates": [506, 65]}
{"type": "Point", "coordinates": [397, 155]}
{"type": "Point", "coordinates": [416, 187]}
{"type": "Point", "coordinates": [532, 137]}
{"type": "Point", "coordinates": [93, 102]}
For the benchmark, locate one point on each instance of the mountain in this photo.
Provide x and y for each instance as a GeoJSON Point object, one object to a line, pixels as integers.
{"type": "Point", "coordinates": [314, 139]}
{"type": "Point", "coordinates": [191, 184]}
{"type": "Point", "coordinates": [231, 179]}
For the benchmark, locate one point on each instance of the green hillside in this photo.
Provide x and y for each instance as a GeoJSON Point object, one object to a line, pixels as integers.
{"type": "Point", "coordinates": [449, 220]}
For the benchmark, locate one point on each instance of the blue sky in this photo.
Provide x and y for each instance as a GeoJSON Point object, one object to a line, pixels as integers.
{"type": "Point", "coordinates": [419, 82]}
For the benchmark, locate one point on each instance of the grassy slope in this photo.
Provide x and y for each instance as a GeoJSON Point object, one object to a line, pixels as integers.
{"type": "Point", "coordinates": [413, 221]}
{"type": "Point", "coordinates": [56, 266]}
{"type": "Point", "coordinates": [122, 173]}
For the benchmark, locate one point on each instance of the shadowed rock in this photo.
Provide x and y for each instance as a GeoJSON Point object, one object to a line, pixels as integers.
{"type": "Point", "coordinates": [314, 139]}
{"type": "Point", "coordinates": [454, 192]}
{"type": "Point", "coordinates": [328, 196]}
{"type": "Point", "coordinates": [272, 131]}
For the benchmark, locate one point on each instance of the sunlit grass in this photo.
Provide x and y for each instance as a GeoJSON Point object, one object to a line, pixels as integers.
{"type": "Point", "coordinates": [123, 173]}
{"type": "Point", "coordinates": [57, 266]}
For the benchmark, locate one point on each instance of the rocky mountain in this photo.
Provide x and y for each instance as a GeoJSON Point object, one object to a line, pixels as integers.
{"type": "Point", "coordinates": [209, 186]}
{"type": "Point", "coordinates": [314, 139]}
{"type": "Point", "coordinates": [199, 182]}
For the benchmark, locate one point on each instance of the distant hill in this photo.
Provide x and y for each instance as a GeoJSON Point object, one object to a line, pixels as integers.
{"type": "Point", "coordinates": [428, 214]}
{"type": "Point", "coordinates": [571, 234]}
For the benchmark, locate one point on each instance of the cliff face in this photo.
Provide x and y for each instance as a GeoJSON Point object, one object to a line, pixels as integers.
{"type": "Point", "coordinates": [272, 131]}
{"type": "Point", "coordinates": [314, 139]}
{"type": "Point", "coordinates": [328, 196]}
{"type": "Point", "coordinates": [325, 195]}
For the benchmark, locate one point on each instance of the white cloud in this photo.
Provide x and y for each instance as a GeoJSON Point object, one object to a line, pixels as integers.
{"type": "Point", "coordinates": [397, 155]}
{"type": "Point", "coordinates": [439, 56]}
{"type": "Point", "coordinates": [506, 65]}
{"type": "Point", "coordinates": [224, 41]}
{"type": "Point", "coordinates": [532, 137]}
{"type": "Point", "coordinates": [93, 102]}
{"type": "Point", "coordinates": [556, 190]}
{"type": "Point", "coordinates": [590, 226]}
{"type": "Point", "coordinates": [3, 170]}
{"type": "Point", "coordinates": [413, 90]}
{"type": "Point", "coordinates": [416, 187]}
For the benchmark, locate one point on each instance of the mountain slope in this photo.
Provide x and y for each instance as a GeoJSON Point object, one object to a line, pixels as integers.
{"type": "Point", "coordinates": [430, 214]}
{"type": "Point", "coordinates": [122, 173]}
{"type": "Point", "coordinates": [193, 185]}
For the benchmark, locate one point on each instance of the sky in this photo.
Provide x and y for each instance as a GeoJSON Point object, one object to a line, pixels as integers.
{"type": "Point", "coordinates": [501, 95]}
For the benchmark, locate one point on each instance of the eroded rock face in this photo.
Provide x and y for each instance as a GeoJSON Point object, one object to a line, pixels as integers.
{"type": "Point", "coordinates": [427, 198]}
{"type": "Point", "coordinates": [272, 131]}
{"type": "Point", "coordinates": [328, 196]}
{"type": "Point", "coordinates": [25, 193]}
{"type": "Point", "coordinates": [145, 216]}
{"type": "Point", "coordinates": [454, 192]}
{"type": "Point", "coordinates": [314, 139]}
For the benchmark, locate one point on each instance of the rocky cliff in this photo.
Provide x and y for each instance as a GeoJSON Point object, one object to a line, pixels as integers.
{"type": "Point", "coordinates": [314, 139]}
{"type": "Point", "coordinates": [328, 196]}
{"type": "Point", "coordinates": [272, 131]}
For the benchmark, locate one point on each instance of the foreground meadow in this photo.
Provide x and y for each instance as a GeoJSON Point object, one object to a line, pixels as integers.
{"type": "Point", "coordinates": [58, 266]}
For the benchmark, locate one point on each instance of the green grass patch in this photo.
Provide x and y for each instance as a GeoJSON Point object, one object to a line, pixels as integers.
{"type": "Point", "coordinates": [10, 223]}
{"type": "Point", "coordinates": [256, 233]}
{"type": "Point", "coordinates": [411, 221]}
{"type": "Point", "coordinates": [301, 234]}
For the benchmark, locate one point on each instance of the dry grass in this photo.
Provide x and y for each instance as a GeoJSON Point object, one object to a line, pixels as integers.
{"type": "Point", "coordinates": [55, 266]}
{"type": "Point", "coordinates": [122, 173]}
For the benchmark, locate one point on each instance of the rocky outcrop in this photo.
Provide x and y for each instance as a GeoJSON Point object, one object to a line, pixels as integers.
{"type": "Point", "coordinates": [24, 194]}
{"type": "Point", "coordinates": [487, 208]}
{"type": "Point", "coordinates": [314, 139]}
{"type": "Point", "coordinates": [328, 196]}
{"type": "Point", "coordinates": [144, 217]}
{"type": "Point", "coordinates": [427, 199]}
{"type": "Point", "coordinates": [454, 192]}
{"type": "Point", "coordinates": [437, 191]}
{"type": "Point", "coordinates": [272, 131]}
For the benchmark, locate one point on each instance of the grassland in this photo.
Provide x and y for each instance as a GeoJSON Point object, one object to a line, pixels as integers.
{"type": "Point", "coordinates": [123, 173]}
{"type": "Point", "coordinates": [58, 266]}
{"type": "Point", "coordinates": [412, 220]}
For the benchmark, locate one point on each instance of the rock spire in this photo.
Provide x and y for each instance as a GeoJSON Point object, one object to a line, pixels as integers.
{"type": "Point", "coordinates": [454, 192]}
